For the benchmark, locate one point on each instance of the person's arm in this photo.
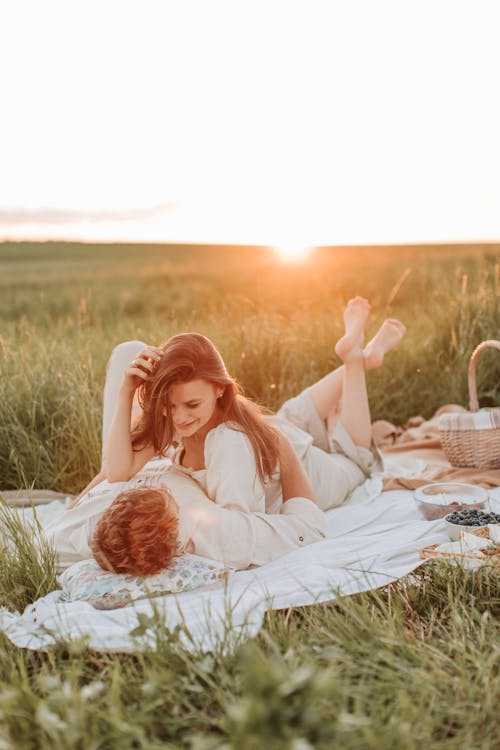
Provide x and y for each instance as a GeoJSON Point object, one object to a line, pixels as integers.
{"type": "Point", "coordinates": [122, 462]}
{"type": "Point", "coordinates": [241, 539]}
{"type": "Point", "coordinates": [294, 480]}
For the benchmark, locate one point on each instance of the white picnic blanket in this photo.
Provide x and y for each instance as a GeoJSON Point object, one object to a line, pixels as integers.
{"type": "Point", "coordinates": [373, 539]}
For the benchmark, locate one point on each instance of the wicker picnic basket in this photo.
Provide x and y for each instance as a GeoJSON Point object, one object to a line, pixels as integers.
{"type": "Point", "coordinates": [472, 439]}
{"type": "Point", "coordinates": [431, 552]}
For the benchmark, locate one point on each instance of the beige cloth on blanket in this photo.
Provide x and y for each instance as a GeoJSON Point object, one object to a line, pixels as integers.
{"type": "Point", "coordinates": [419, 438]}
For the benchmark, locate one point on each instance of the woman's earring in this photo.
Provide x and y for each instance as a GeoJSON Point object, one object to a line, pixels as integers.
{"type": "Point", "coordinates": [219, 395]}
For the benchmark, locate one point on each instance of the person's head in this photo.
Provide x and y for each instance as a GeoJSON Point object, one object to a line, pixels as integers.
{"type": "Point", "coordinates": [138, 533]}
{"type": "Point", "coordinates": [191, 388]}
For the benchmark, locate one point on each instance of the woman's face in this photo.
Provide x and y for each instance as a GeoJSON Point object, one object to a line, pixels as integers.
{"type": "Point", "coordinates": [193, 406]}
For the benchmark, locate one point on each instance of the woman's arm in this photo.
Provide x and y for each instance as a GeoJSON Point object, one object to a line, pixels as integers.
{"type": "Point", "coordinates": [294, 480]}
{"type": "Point", "coordinates": [241, 539]}
{"type": "Point", "coordinates": [122, 462]}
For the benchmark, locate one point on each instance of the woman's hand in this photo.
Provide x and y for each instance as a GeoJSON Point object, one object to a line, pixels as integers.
{"type": "Point", "coordinates": [141, 368]}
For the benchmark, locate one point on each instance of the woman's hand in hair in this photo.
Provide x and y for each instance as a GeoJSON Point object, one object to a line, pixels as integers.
{"type": "Point", "coordinates": [141, 367]}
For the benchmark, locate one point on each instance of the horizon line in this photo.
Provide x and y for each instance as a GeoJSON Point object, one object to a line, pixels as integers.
{"type": "Point", "coordinates": [426, 243]}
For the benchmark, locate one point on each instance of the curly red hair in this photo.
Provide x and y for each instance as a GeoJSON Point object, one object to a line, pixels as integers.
{"type": "Point", "coordinates": [138, 533]}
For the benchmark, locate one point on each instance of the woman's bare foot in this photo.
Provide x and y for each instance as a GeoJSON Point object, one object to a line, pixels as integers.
{"type": "Point", "coordinates": [388, 335]}
{"type": "Point", "coordinates": [350, 346]}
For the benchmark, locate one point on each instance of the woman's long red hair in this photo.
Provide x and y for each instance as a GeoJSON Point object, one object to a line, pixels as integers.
{"type": "Point", "coordinates": [192, 356]}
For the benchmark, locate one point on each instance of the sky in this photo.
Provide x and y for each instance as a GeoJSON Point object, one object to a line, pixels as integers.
{"type": "Point", "coordinates": [294, 124]}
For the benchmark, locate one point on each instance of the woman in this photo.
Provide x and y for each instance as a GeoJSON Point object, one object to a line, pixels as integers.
{"type": "Point", "coordinates": [225, 442]}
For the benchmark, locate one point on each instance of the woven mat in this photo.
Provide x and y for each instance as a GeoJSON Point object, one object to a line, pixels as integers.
{"type": "Point", "coordinates": [25, 498]}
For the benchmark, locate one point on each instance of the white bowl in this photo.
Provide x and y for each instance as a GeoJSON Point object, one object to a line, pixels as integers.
{"type": "Point", "coordinates": [454, 529]}
{"type": "Point", "coordinates": [438, 499]}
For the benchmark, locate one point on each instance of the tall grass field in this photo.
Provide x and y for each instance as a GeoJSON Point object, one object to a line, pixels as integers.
{"type": "Point", "coordinates": [410, 666]}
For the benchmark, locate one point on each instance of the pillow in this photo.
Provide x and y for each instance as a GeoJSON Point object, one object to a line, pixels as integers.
{"type": "Point", "coordinates": [87, 581]}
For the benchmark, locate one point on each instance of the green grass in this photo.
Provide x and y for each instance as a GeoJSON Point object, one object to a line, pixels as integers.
{"type": "Point", "coordinates": [411, 666]}
{"type": "Point", "coordinates": [27, 561]}
{"type": "Point", "coordinates": [64, 307]}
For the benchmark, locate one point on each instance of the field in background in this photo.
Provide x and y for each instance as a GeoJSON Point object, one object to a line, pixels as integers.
{"type": "Point", "coordinates": [64, 306]}
{"type": "Point", "coordinates": [413, 665]}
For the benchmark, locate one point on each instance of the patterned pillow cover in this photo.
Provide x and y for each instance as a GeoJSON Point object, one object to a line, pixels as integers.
{"type": "Point", "coordinates": [87, 581]}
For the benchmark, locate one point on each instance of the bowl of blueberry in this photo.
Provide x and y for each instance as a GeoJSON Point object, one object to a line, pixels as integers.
{"type": "Point", "coordinates": [438, 499]}
{"type": "Point", "coordinates": [468, 520]}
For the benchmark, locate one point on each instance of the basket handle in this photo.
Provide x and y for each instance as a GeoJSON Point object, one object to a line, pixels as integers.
{"type": "Point", "coordinates": [473, 402]}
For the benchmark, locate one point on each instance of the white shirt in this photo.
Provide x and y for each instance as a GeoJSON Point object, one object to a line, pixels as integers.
{"type": "Point", "coordinates": [230, 478]}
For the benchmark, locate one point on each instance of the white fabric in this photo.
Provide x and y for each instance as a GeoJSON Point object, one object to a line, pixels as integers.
{"type": "Point", "coordinates": [231, 480]}
{"type": "Point", "coordinates": [484, 419]}
{"type": "Point", "coordinates": [333, 463]}
{"type": "Point", "coordinates": [369, 545]}
{"type": "Point", "coordinates": [470, 544]}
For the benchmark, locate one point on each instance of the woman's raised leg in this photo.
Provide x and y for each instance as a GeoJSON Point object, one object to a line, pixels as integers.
{"type": "Point", "coordinates": [326, 394]}
{"type": "Point", "coordinates": [355, 409]}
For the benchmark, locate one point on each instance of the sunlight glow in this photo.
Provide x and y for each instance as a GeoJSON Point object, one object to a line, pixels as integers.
{"type": "Point", "coordinates": [293, 252]}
